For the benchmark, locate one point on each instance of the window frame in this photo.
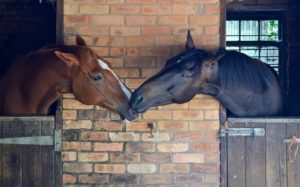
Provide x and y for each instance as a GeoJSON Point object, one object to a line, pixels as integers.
{"type": "Point", "coordinates": [259, 16]}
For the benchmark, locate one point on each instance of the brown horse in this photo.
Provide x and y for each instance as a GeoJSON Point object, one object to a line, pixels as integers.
{"type": "Point", "coordinates": [38, 79]}
{"type": "Point", "coordinates": [245, 86]}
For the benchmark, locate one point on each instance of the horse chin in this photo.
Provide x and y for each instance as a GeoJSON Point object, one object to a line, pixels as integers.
{"type": "Point", "coordinates": [128, 115]}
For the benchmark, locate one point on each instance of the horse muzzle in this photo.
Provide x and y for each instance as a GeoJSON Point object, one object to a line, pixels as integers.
{"type": "Point", "coordinates": [128, 114]}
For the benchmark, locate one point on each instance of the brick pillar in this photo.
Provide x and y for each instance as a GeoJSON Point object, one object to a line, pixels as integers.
{"type": "Point", "coordinates": [136, 37]}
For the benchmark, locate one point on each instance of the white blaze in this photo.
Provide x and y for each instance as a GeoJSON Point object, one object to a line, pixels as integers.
{"type": "Point", "coordinates": [104, 65]}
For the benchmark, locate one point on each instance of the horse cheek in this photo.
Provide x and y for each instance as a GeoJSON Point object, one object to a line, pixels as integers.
{"type": "Point", "coordinates": [83, 91]}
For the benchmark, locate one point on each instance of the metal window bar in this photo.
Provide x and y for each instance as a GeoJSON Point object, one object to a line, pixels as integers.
{"type": "Point", "coordinates": [258, 43]}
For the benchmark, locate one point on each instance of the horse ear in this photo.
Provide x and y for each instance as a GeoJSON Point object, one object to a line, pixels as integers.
{"type": "Point", "coordinates": [80, 41]}
{"type": "Point", "coordinates": [67, 58]}
{"type": "Point", "coordinates": [189, 41]}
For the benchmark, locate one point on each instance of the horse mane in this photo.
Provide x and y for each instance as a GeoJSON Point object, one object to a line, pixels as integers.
{"type": "Point", "coordinates": [237, 70]}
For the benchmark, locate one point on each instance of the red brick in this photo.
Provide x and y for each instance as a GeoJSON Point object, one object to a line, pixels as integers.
{"type": "Point", "coordinates": [139, 41]}
{"type": "Point", "coordinates": [78, 124]}
{"type": "Point", "coordinates": [140, 147]}
{"type": "Point", "coordinates": [92, 157]}
{"type": "Point", "coordinates": [205, 168]}
{"type": "Point", "coordinates": [125, 31]}
{"type": "Point", "coordinates": [108, 126]}
{"type": "Point", "coordinates": [212, 30]}
{"type": "Point", "coordinates": [158, 114]}
{"type": "Point", "coordinates": [110, 41]}
{"type": "Point", "coordinates": [187, 115]}
{"type": "Point", "coordinates": [212, 135]}
{"type": "Point", "coordinates": [155, 51]}
{"type": "Point", "coordinates": [77, 146]}
{"type": "Point", "coordinates": [211, 114]}
{"type": "Point", "coordinates": [156, 137]}
{"type": "Point", "coordinates": [174, 168]}
{"type": "Point", "coordinates": [93, 30]}
{"type": "Point", "coordinates": [107, 147]}
{"type": "Point", "coordinates": [141, 168]}
{"type": "Point", "coordinates": [124, 136]}
{"type": "Point", "coordinates": [108, 20]}
{"type": "Point", "coordinates": [204, 104]}
{"type": "Point", "coordinates": [93, 179]}
{"type": "Point", "coordinates": [172, 20]}
{"type": "Point", "coordinates": [175, 106]}
{"type": "Point", "coordinates": [173, 125]}
{"type": "Point", "coordinates": [140, 62]}
{"type": "Point", "coordinates": [204, 20]}
{"type": "Point", "coordinates": [68, 178]}
{"type": "Point", "coordinates": [101, 51]}
{"type": "Point", "coordinates": [125, 157]}
{"type": "Point", "coordinates": [124, 9]}
{"type": "Point", "coordinates": [78, 1]}
{"type": "Point", "coordinates": [176, 147]}
{"type": "Point", "coordinates": [93, 9]}
{"type": "Point", "coordinates": [212, 9]}
{"type": "Point", "coordinates": [141, 1]}
{"type": "Point", "coordinates": [75, 104]}
{"type": "Point", "coordinates": [109, 168]}
{"type": "Point", "coordinates": [70, 19]}
{"type": "Point", "coordinates": [157, 157]}
{"type": "Point", "coordinates": [70, 9]}
{"type": "Point", "coordinates": [188, 136]}
{"type": "Point", "coordinates": [157, 179]}
{"type": "Point", "coordinates": [182, 30]}
{"type": "Point", "coordinates": [172, 1]}
{"type": "Point", "coordinates": [140, 20]}
{"type": "Point", "coordinates": [134, 83]}
{"type": "Point", "coordinates": [137, 127]}
{"type": "Point", "coordinates": [69, 155]}
{"type": "Point", "coordinates": [188, 158]}
{"type": "Point", "coordinates": [214, 158]}
{"type": "Point", "coordinates": [155, 31]}
{"type": "Point", "coordinates": [128, 72]}
{"type": "Point", "coordinates": [69, 114]}
{"type": "Point", "coordinates": [99, 136]}
{"type": "Point", "coordinates": [156, 9]}
{"type": "Point", "coordinates": [170, 40]}
{"type": "Point", "coordinates": [148, 72]}
{"type": "Point", "coordinates": [77, 167]}
{"type": "Point", "coordinates": [204, 125]}
{"type": "Point", "coordinates": [124, 51]}
{"type": "Point", "coordinates": [115, 62]}
{"type": "Point", "coordinates": [212, 178]}
{"type": "Point", "coordinates": [111, 2]}
{"type": "Point", "coordinates": [184, 9]}
{"type": "Point", "coordinates": [205, 147]}
{"type": "Point", "coordinates": [205, 1]}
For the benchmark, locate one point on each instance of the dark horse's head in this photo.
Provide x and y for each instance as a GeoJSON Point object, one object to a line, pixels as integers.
{"type": "Point", "coordinates": [175, 83]}
{"type": "Point", "coordinates": [243, 85]}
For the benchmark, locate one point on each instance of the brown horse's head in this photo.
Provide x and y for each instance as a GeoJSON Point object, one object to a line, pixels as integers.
{"type": "Point", "coordinates": [94, 82]}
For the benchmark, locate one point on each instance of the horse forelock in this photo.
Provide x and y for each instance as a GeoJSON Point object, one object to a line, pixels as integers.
{"type": "Point", "coordinates": [237, 70]}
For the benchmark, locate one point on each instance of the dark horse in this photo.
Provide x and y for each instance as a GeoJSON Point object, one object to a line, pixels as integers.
{"type": "Point", "coordinates": [38, 79]}
{"type": "Point", "coordinates": [245, 86]}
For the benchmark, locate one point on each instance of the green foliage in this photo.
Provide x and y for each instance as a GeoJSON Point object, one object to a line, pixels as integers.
{"type": "Point", "coordinates": [273, 30]}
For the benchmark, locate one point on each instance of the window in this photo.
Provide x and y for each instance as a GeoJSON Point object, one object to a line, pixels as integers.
{"type": "Point", "coordinates": [256, 36]}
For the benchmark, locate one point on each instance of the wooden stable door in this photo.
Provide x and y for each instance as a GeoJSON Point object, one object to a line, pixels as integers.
{"type": "Point", "coordinates": [255, 153]}
{"type": "Point", "coordinates": [27, 156]}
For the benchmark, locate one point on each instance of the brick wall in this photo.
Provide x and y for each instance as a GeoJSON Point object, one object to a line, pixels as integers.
{"type": "Point", "coordinates": [136, 36]}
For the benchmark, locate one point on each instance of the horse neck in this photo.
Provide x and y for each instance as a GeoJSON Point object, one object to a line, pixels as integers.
{"type": "Point", "coordinates": [34, 84]}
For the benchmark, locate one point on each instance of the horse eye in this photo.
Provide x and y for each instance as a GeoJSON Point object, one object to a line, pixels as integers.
{"type": "Point", "coordinates": [97, 78]}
